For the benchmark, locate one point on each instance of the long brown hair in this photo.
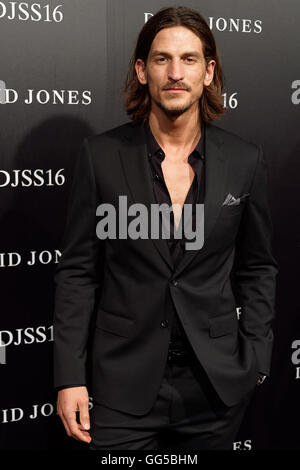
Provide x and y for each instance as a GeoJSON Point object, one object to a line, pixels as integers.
{"type": "Point", "coordinates": [136, 95]}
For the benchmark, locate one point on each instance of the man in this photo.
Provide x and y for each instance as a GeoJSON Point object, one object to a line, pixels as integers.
{"type": "Point", "coordinates": [172, 364]}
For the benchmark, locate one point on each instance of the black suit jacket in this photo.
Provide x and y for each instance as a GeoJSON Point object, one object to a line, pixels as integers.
{"type": "Point", "coordinates": [234, 268]}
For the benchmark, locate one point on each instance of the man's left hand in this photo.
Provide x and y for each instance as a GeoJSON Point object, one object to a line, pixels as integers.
{"type": "Point", "coordinates": [261, 379]}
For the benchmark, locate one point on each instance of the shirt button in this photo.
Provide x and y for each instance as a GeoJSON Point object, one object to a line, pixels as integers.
{"type": "Point", "coordinates": [175, 282]}
{"type": "Point", "coordinates": [149, 155]}
{"type": "Point", "coordinates": [164, 323]}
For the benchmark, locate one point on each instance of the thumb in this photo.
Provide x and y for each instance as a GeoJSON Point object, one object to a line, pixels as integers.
{"type": "Point", "coordinates": [84, 416]}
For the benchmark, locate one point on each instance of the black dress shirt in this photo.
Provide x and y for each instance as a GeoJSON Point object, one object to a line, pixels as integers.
{"type": "Point", "coordinates": [195, 195]}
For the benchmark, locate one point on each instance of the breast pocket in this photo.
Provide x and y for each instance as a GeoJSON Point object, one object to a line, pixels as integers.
{"type": "Point", "coordinates": [233, 210]}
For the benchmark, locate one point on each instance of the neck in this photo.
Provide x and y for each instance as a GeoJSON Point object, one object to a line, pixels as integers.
{"type": "Point", "coordinates": [179, 135]}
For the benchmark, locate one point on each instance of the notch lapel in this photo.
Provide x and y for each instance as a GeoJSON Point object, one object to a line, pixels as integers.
{"type": "Point", "coordinates": [215, 174]}
{"type": "Point", "coordinates": [137, 173]}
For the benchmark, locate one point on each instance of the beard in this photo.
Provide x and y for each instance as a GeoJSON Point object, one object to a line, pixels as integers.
{"type": "Point", "coordinates": [174, 111]}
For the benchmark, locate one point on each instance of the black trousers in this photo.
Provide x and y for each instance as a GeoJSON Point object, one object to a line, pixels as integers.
{"type": "Point", "coordinates": [187, 415]}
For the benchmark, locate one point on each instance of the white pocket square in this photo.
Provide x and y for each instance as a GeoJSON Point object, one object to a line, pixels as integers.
{"type": "Point", "coordinates": [230, 200]}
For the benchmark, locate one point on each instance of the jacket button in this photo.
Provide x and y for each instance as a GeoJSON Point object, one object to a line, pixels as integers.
{"type": "Point", "coordinates": [175, 282]}
{"type": "Point", "coordinates": [164, 323]}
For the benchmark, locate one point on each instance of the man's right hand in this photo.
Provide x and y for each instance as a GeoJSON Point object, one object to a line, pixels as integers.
{"type": "Point", "coordinates": [70, 400]}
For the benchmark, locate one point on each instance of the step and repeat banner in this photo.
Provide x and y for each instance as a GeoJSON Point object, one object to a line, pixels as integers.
{"type": "Point", "coordinates": [63, 64]}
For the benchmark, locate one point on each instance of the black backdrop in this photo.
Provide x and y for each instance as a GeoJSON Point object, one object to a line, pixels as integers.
{"type": "Point", "coordinates": [73, 56]}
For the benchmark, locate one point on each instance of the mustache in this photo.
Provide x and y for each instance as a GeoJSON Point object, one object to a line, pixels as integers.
{"type": "Point", "coordinates": [177, 87]}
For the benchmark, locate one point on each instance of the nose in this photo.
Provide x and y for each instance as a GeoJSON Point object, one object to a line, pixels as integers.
{"type": "Point", "coordinates": [175, 70]}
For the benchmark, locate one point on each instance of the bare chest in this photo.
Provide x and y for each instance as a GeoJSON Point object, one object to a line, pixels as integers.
{"type": "Point", "coordinates": [178, 177]}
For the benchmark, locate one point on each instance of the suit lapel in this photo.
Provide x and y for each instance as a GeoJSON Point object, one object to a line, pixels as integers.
{"type": "Point", "coordinates": [136, 168]}
{"type": "Point", "coordinates": [215, 176]}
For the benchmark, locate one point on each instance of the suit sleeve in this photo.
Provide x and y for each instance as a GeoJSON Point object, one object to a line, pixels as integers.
{"type": "Point", "coordinates": [255, 268]}
{"type": "Point", "coordinates": [75, 276]}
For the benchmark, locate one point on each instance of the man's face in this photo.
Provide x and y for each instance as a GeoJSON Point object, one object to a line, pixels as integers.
{"type": "Point", "coordinates": [176, 71]}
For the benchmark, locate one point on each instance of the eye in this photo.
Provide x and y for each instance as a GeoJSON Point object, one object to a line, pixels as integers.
{"type": "Point", "coordinates": [161, 59]}
{"type": "Point", "coordinates": [190, 60]}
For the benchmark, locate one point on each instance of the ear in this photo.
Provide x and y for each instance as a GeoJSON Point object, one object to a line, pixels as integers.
{"type": "Point", "coordinates": [141, 71]}
{"type": "Point", "coordinates": [209, 74]}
